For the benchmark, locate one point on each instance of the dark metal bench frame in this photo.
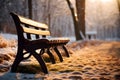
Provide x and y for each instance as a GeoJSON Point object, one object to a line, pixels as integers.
{"type": "Point", "coordinates": [28, 46]}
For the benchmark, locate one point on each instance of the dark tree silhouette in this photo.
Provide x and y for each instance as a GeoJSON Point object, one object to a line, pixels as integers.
{"type": "Point", "coordinates": [30, 8]}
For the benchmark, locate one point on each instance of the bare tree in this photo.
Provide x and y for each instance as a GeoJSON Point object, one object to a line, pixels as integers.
{"type": "Point", "coordinates": [30, 8]}
{"type": "Point", "coordinates": [74, 20]}
{"type": "Point", "coordinates": [79, 20]}
{"type": "Point", "coordinates": [80, 6]}
{"type": "Point", "coordinates": [118, 1]}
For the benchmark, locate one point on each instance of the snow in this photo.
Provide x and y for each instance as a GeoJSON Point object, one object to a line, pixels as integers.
{"type": "Point", "coordinates": [8, 36]}
{"type": "Point", "coordinates": [89, 60]}
{"type": "Point", "coordinates": [13, 36]}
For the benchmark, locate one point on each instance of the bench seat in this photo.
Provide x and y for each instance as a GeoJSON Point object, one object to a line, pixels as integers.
{"type": "Point", "coordinates": [45, 43]}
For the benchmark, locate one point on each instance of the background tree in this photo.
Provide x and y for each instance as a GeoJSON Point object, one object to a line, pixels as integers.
{"type": "Point", "coordinates": [75, 21]}
{"type": "Point", "coordinates": [80, 8]}
{"type": "Point", "coordinates": [79, 20]}
{"type": "Point", "coordinates": [118, 1]}
{"type": "Point", "coordinates": [56, 15]}
{"type": "Point", "coordinates": [30, 8]}
{"type": "Point", "coordinates": [7, 6]}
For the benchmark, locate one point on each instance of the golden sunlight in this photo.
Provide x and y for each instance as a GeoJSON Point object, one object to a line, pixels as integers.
{"type": "Point", "coordinates": [106, 1]}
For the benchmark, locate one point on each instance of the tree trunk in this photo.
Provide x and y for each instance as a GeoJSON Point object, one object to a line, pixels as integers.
{"type": "Point", "coordinates": [118, 1]}
{"type": "Point", "coordinates": [30, 8]}
{"type": "Point", "coordinates": [77, 35]}
{"type": "Point", "coordinates": [80, 5]}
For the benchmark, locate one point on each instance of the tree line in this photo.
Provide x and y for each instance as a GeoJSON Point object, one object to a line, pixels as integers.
{"type": "Point", "coordinates": [57, 14]}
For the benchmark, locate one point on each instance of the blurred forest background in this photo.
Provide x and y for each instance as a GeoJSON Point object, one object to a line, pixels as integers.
{"type": "Point", "coordinates": [55, 13]}
{"type": "Point", "coordinates": [101, 16]}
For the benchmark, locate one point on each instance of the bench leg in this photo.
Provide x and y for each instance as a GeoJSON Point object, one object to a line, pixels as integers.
{"type": "Point", "coordinates": [41, 62]}
{"type": "Point", "coordinates": [51, 56]}
{"type": "Point", "coordinates": [18, 59]}
{"type": "Point", "coordinates": [58, 53]}
{"type": "Point", "coordinates": [15, 64]}
{"type": "Point", "coordinates": [66, 51]}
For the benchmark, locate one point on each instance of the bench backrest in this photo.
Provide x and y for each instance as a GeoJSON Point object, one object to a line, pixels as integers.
{"type": "Point", "coordinates": [29, 27]}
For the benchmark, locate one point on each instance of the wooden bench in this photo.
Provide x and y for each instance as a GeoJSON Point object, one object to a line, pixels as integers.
{"type": "Point", "coordinates": [28, 45]}
{"type": "Point", "coordinates": [91, 34]}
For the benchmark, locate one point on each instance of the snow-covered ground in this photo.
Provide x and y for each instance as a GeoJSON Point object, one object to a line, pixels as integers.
{"type": "Point", "coordinates": [13, 36]}
{"type": "Point", "coordinates": [8, 36]}
{"type": "Point", "coordinates": [89, 60]}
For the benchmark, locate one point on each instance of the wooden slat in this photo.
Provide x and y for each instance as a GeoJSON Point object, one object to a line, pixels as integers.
{"type": "Point", "coordinates": [32, 23]}
{"type": "Point", "coordinates": [34, 31]}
